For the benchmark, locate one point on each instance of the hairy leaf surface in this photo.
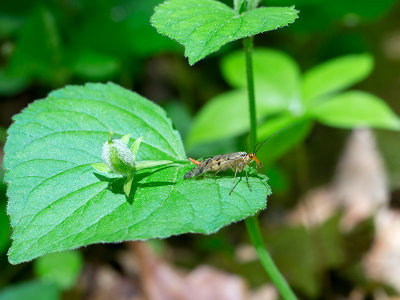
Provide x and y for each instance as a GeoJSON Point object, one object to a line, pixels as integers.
{"type": "Point", "coordinates": [203, 26]}
{"type": "Point", "coordinates": [58, 201]}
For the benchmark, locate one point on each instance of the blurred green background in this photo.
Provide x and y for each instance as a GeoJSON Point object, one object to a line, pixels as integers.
{"type": "Point", "coordinates": [46, 45]}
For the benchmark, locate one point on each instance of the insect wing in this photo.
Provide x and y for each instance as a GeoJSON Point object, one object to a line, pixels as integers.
{"type": "Point", "coordinates": [196, 171]}
{"type": "Point", "coordinates": [221, 162]}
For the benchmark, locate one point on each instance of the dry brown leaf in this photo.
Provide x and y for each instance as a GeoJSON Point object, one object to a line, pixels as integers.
{"type": "Point", "coordinates": [382, 263]}
{"type": "Point", "coordinates": [163, 282]}
{"type": "Point", "coordinates": [360, 183]}
{"type": "Point", "coordinates": [359, 187]}
{"type": "Point", "coordinates": [104, 283]}
{"type": "Point", "coordinates": [316, 207]}
{"type": "Point", "coordinates": [265, 292]}
{"type": "Point", "coordinates": [245, 253]}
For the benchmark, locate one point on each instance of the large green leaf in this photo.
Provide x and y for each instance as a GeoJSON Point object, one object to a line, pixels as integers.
{"type": "Point", "coordinates": [58, 201]}
{"type": "Point", "coordinates": [356, 108]}
{"type": "Point", "coordinates": [203, 26]}
{"type": "Point", "coordinates": [335, 75]}
{"type": "Point", "coordinates": [274, 69]}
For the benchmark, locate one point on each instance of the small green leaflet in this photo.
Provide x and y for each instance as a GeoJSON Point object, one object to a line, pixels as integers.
{"type": "Point", "coordinates": [355, 109]}
{"type": "Point", "coordinates": [58, 201]}
{"type": "Point", "coordinates": [203, 26]}
{"type": "Point", "coordinates": [335, 75]}
{"type": "Point", "coordinates": [61, 268]}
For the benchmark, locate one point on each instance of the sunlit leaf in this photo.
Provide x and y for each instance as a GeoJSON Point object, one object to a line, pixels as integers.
{"type": "Point", "coordinates": [203, 26]}
{"type": "Point", "coordinates": [59, 202]}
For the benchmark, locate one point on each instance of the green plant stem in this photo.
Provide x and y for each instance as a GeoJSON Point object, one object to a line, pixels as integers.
{"type": "Point", "coordinates": [266, 260]}
{"type": "Point", "coordinates": [248, 49]}
{"type": "Point", "coordinates": [252, 222]}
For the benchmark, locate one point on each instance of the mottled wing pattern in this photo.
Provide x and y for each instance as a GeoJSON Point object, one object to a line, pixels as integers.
{"type": "Point", "coordinates": [217, 163]}
{"type": "Point", "coordinates": [196, 171]}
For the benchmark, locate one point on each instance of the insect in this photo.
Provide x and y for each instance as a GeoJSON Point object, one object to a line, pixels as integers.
{"type": "Point", "coordinates": [236, 161]}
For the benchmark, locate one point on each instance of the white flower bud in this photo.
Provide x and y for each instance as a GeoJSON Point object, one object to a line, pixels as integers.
{"type": "Point", "coordinates": [118, 157]}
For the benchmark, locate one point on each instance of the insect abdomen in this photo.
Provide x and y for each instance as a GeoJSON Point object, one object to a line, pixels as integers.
{"type": "Point", "coordinates": [194, 172]}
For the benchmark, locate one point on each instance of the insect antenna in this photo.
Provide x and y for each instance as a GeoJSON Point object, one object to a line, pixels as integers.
{"type": "Point", "coordinates": [262, 143]}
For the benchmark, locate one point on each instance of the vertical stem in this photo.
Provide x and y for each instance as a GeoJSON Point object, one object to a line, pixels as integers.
{"type": "Point", "coordinates": [266, 260]}
{"type": "Point", "coordinates": [248, 49]}
{"type": "Point", "coordinates": [252, 223]}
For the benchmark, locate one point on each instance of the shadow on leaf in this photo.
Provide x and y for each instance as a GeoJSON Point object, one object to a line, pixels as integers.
{"type": "Point", "coordinates": [116, 184]}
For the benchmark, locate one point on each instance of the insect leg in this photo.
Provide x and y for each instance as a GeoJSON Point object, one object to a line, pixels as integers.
{"type": "Point", "coordinates": [240, 179]}
{"type": "Point", "coordinates": [247, 179]}
{"type": "Point", "coordinates": [233, 183]}
{"type": "Point", "coordinates": [194, 161]}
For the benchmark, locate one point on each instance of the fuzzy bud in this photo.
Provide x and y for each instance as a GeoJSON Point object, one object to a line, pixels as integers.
{"type": "Point", "coordinates": [118, 157]}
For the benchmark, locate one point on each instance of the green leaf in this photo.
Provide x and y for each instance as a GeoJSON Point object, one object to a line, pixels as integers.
{"type": "Point", "coordinates": [9, 23]}
{"type": "Point", "coordinates": [31, 290]}
{"type": "Point", "coordinates": [277, 80]}
{"type": "Point", "coordinates": [336, 75]}
{"type": "Point", "coordinates": [128, 184]}
{"type": "Point", "coordinates": [11, 84]}
{"type": "Point", "coordinates": [125, 140]}
{"type": "Point", "coordinates": [273, 69]}
{"type": "Point", "coordinates": [180, 116]}
{"type": "Point", "coordinates": [226, 115]}
{"type": "Point", "coordinates": [281, 142]}
{"type": "Point", "coordinates": [135, 146]}
{"type": "Point", "coordinates": [203, 26]}
{"type": "Point", "coordinates": [240, 5]}
{"type": "Point", "coordinates": [101, 167]}
{"type": "Point", "coordinates": [58, 202]}
{"type": "Point", "coordinates": [62, 268]}
{"type": "Point", "coordinates": [92, 65]}
{"type": "Point", "coordinates": [356, 108]}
